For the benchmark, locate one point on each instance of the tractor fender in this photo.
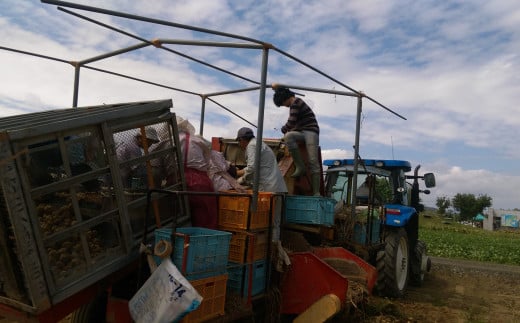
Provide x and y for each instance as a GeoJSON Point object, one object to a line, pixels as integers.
{"type": "Point", "coordinates": [397, 215]}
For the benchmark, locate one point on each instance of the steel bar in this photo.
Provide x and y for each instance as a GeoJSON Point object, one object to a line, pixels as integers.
{"type": "Point", "coordinates": [313, 89]}
{"type": "Point", "coordinates": [156, 43]}
{"type": "Point", "coordinates": [35, 54]}
{"type": "Point", "coordinates": [233, 91]}
{"type": "Point", "coordinates": [210, 43]}
{"type": "Point", "coordinates": [139, 80]}
{"type": "Point", "coordinates": [335, 80]}
{"type": "Point", "coordinates": [260, 129]}
{"type": "Point", "coordinates": [233, 113]}
{"type": "Point", "coordinates": [146, 19]}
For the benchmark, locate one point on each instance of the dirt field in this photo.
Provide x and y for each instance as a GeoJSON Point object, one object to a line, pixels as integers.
{"type": "Point", "coordinates": [454, 291]}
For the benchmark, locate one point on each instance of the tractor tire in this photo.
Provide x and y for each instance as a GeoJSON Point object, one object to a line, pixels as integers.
{"type": "Point", "coordinates": [416, 264]}
{"type": "Point", "coordinates": [95, 311]}
{"type": "Point", "coordinates": [393, 264]}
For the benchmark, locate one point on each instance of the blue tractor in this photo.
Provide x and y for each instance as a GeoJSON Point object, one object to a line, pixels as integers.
{"type": "Point", "coordinates": [377, 217]}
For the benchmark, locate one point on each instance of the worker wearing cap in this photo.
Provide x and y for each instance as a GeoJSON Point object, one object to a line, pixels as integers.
{"type": "Point", "coordinates": [270, 178]}
{"type": "Point", "coordinates": [301, 126]}
{"type": "Point", "coordinates": [134, 148]}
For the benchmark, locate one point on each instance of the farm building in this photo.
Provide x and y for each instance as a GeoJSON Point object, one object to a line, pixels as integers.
{"type": "Point", "coordinates": [496, 219]}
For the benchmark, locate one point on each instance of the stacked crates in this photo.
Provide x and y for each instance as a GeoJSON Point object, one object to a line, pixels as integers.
{"type": "Point", "coordinates": [201, 255]}
{"type": "Point", "coordinates": [247, 267]}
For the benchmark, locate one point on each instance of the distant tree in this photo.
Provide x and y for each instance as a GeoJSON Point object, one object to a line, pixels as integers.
{"type": "Point", "coordinates": [443, 203]}
{"type": "Point", "coordinates": [468, 205]}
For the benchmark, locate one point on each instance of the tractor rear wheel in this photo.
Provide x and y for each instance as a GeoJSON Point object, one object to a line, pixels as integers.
{"type": "Point", "coordinates": [393, 264]}
{"type": "Point", "coordinates": [419, 264]}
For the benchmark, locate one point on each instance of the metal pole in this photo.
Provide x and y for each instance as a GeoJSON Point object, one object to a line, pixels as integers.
{"type": "Point", "coordinates": [334, 80]}
{"type": "Point", "coordinates": [151, 20]}
{"type": "Point", "coordinates": [335, 92]}
{"type": "Point", "coordinates": [260, 129]}
{"type": "Point", "coordinates": [210, 43]}
{"type": "Point", "coordinates": [139, 80]}
{"type": "Point", "coordinates": [158, 43]}
{"type": "Point", "coordinates": [76, 86]}
{"type": "Point", "coordinates": [233, 113]}
{"type": "Point", "coordinates": [202, 113]}
{"type": "Point", "coordinates": [114, 53]}
{"type": "Point", "coordinates": [203, 30]}
{"type": "Point", "coordinates": [356, 155]}
{"type": "Point", "coordinates": [314, 89]}
{"type": "Point", "coordinates": [35, 54]}
{"type": "Point", "coordinates": [232, 91]}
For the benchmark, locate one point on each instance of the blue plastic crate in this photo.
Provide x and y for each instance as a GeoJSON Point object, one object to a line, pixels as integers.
{"type": "Point", "coordinates": [206, 253]}
{"type": "Point", "coordinates": [309, 210]}
{"type": "Point", "coordinates": [238, 277]}
{"type": "Point", "coordinates": [360, 232]}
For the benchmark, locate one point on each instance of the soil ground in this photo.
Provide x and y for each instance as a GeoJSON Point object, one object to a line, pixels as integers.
{"type": "Point", "coordinates": [453, 291]}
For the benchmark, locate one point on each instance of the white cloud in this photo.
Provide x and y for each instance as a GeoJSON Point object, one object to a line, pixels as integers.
{"type": "Point", "coordinates": [452, 76]}
{"type": "Point", "coordinates": [502, 188]}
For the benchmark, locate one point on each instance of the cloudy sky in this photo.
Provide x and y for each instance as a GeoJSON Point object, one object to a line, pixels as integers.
{"type": "Point", "coordinates": [449, 67]}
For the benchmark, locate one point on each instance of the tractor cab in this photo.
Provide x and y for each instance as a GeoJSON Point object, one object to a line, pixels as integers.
{"type": "Point", "coordinates": [377, 182]}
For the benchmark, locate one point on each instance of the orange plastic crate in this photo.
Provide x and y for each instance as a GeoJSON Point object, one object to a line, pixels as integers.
{"type": "Point", "coordinates": [213, 292]}
{"type": "Point", "coordinates": [234, 211]}
{"type": "Point", "coordinates": [241, 246]}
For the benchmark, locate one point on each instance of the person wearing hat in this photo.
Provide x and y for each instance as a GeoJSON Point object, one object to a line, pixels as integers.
{"type": "Point", "coordinates": [133, 148]}
{"type": "Point", "coordinates": [301, 126]}
{"type": "Point", "coordinates": [270, 178]}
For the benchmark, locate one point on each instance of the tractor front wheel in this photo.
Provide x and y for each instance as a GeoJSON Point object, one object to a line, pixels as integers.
{"type": "Point", "coordinates": [393, 264]}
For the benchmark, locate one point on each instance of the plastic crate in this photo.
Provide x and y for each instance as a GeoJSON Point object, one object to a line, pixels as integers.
{"type": "Point", "coordinates": [234, 211]}
{"type": "Point", "coordinates": [213, 292]}
{"type": "Point", "coordinates": [198, 252]}
{"type": "Point", "coordinates": [241, 246]}
{"type": "Point", "coordinates": [309, 210]}
{"type": "Point", "coordinates": [239, 279]}
{"type": "Point", "coordinates": [360, 232]}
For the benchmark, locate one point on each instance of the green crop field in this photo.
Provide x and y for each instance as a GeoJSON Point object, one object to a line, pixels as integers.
{"type": "Point", "coordinates": [449, 239]}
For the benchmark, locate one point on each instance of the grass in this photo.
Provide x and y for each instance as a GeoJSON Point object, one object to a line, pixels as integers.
{"type": "Point", "coordinates": [450, 239]}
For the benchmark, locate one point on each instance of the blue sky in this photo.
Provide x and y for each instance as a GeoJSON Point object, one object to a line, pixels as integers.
{"type": "Point", "coordinates": [449, 67]}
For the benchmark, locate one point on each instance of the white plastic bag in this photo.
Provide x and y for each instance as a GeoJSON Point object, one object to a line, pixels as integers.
{"type": "Point", "coordinates": [165, 297]}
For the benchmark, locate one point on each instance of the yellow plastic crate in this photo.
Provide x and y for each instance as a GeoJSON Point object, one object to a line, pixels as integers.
{"type": "Point", "coordinates": [234, 211]}
{"type": "Point", "coordinates": [241, 246]}
{"type": "Point", "coordinates": [213, 292]}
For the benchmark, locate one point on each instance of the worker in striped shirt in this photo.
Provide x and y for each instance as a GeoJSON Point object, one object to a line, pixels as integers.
{"type": "Point", "coordinates": [301, 126]}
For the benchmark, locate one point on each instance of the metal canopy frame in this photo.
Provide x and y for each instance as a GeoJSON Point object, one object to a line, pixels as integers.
{"type": "Point", "coordinates": [245, 42]}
